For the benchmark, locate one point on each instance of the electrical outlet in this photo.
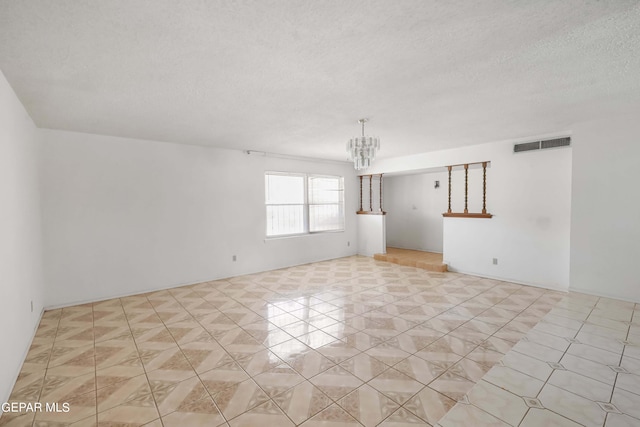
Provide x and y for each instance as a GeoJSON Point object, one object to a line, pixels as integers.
{"type": "Point", "coordinates": [495, 261]}
{"type": "Point", "coordinates": [348, 243]}
{"type": "Point", "coordinates": [234, 258]}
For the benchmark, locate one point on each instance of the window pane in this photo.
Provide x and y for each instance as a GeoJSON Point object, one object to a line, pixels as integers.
{"type": "Point", "coordinates": [326, 217]}
{"type": "Point", "coordinates": [325, 190]}
{"type": "Point", "coordinates": [285, 219]}
{"type": "Point", "coordinates": [326, 210]}
{"type": "Point", "coordinates": [284, 189]}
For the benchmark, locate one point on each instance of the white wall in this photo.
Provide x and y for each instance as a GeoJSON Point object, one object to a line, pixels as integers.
{"type": "Point", "coordinates": [124, 216]}
{"type": "Point", "coordinates": [414, 210]}
{"type": "Point", "coordinates": [21, 279]}
{"type": "Point", "coordinates": [605, 221]}
{"type": "Point", "coordinates": [371, 235]}
{"type": "Point", "coordinates": [530, 196]}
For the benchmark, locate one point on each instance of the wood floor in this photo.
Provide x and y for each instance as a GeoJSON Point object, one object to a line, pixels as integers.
{"type": "Point", "coordinates": [429, 261]}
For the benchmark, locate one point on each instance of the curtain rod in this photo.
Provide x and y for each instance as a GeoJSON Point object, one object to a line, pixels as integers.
{"type": "Point", "coordinates": [292, 157]}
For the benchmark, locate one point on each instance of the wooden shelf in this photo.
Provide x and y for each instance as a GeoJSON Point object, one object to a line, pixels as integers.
{"type": "Point", "coordinates": [371, 213]}
{"type": "Point", "coordinates": [466, 215]}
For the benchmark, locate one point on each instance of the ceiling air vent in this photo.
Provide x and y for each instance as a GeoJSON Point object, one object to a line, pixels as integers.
{"type": "Point", "coordinates": [552, 143]}
{"type": "Point", "coordinates": [527, 146]}
{"type": "Point", "coordinates": [538, 145]}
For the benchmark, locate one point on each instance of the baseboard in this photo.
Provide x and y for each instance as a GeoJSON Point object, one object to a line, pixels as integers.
{"type": "Point", "coordinates": [25, 352]}
{"type": "Point", "coordinates": [505, 279]}
{"type": "Point", "coordinates": [164, 288]}
{"type": "Point", "coordinates": [601, 294]}
{"type": "Point", "coordinates": [124, 295]}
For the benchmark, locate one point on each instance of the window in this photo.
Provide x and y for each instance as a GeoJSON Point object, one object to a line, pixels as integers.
{"type": "Point", "coordinates": [326, 204]}
{"type": "Point", "coordinates": [299, 204]}
{"type": "Point", "coordinates": [285, 204]}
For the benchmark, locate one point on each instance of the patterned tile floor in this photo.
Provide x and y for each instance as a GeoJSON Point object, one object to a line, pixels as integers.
{"type": "Point", "coordinates": [347, 342]}
{"type": "Point", "coordinates": [580, 366]}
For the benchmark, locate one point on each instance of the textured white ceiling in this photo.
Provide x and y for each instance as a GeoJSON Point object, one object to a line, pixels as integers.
{"type": "Point", "coordinates": [293, 77]}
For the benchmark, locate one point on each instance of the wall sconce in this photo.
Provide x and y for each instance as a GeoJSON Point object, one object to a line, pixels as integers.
{"type": "Point", "coordinates": [437, 184]}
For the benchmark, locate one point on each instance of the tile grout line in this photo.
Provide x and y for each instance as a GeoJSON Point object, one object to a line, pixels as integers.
{"type": "Point", "coordinates": [476, 346]}
{"type": "Point", "coordinates": [336, 402]}
{"type": "Point", "coordinates": [564, 353]}
{"type": "Point", "coordinates": [624, 348]}
{"type": "Point", "coordinates": [189, 362]}
{"type": "Point", "coordinates": [541, 388]}
{"type": "Point", "coordinates": [397, 311]}
{"type": "Point", "coordinates": [95, 362]}
{"type": "Point", "coordinates": [250, 376]}
{"type": "Point", "coordinates": [46, 370]}
{"type": "Point", "coordinates": [141, 362]}
{"type": "Point", "coordinates": [241, 303]}
{"type": "Point", "coordinates": [537, 395]}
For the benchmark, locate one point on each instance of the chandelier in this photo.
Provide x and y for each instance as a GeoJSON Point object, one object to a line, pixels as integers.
{"type": "Point", "coordinates": [362, 149]}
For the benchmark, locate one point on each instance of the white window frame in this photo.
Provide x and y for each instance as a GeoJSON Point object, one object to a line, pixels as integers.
{"type": "Point", "coordinates": [305, 206]}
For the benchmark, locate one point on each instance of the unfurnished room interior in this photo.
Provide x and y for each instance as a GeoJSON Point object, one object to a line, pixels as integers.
{"type": "Point", "coordinates": [320, 213]}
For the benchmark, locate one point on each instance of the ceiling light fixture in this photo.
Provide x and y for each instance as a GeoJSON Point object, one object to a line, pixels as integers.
{"type": "Point", "coordinates": [362, 149]}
